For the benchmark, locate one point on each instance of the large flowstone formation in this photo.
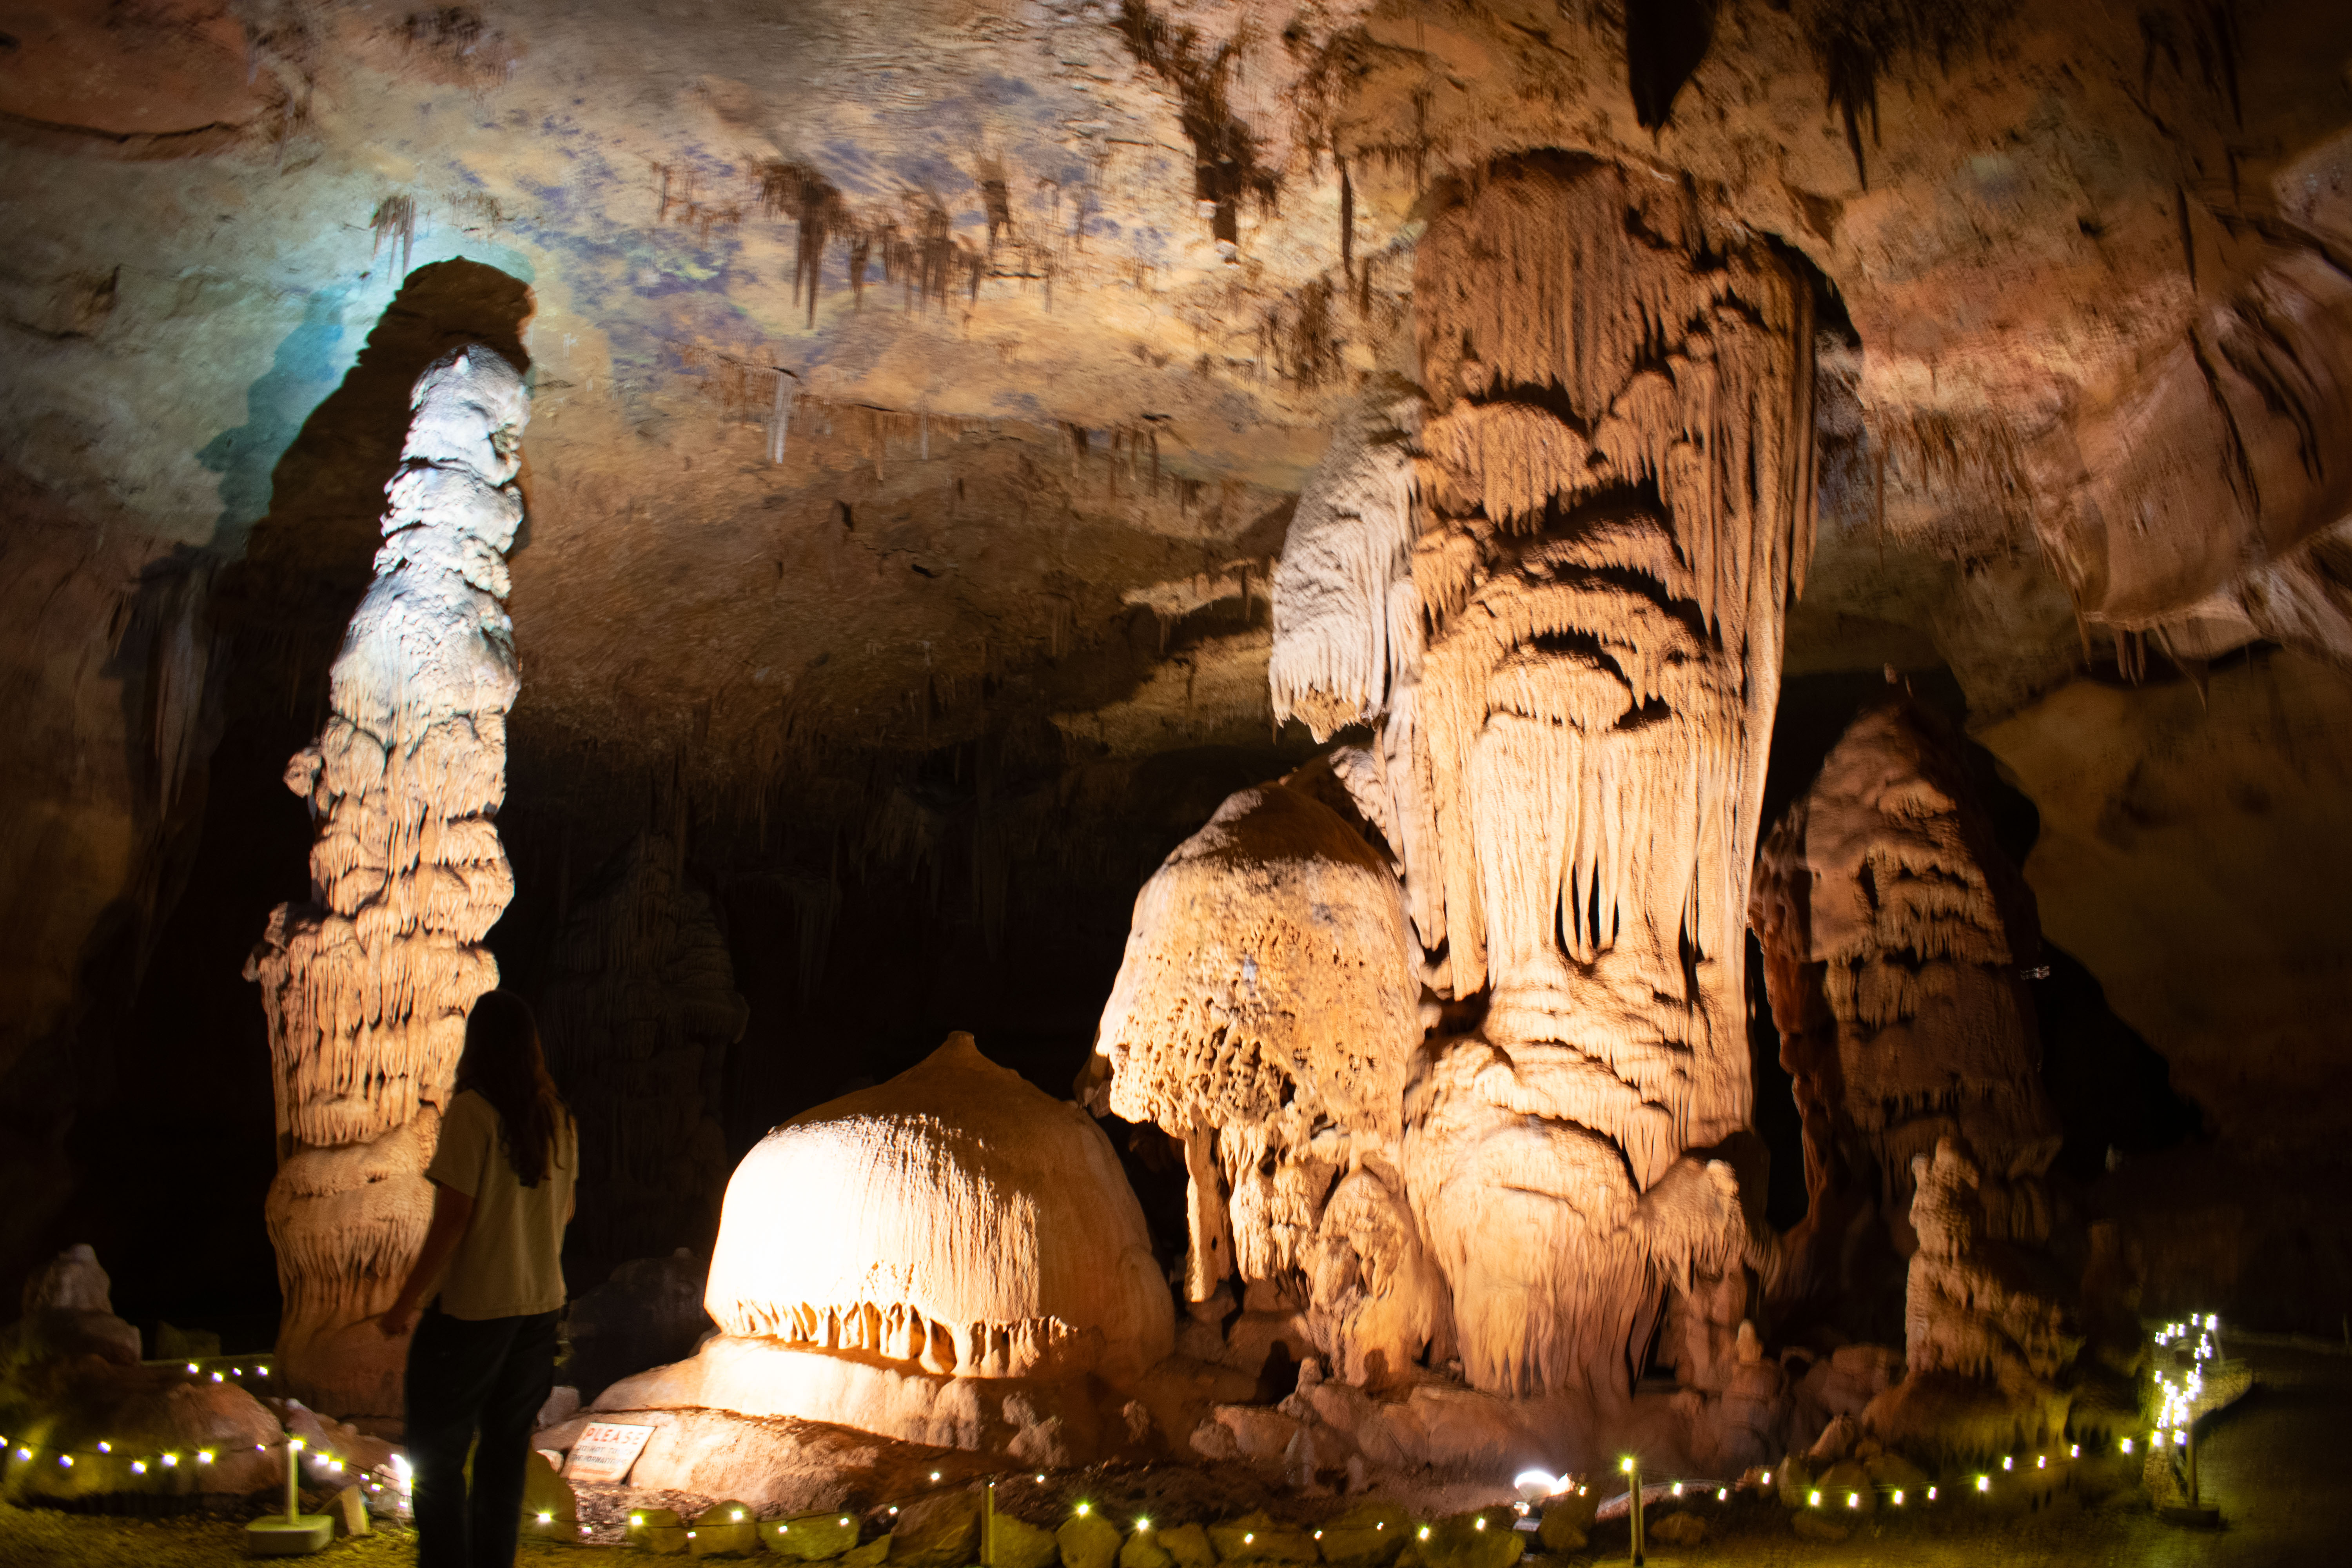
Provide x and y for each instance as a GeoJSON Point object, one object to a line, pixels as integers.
{"type": "Point", "coordinates": [367, 984]}
{"type": "Point", "coordinates": [1555, 593]}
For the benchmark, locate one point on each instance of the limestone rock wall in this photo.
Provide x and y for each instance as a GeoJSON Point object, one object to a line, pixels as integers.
{"type": "Point", "coordinates": [367, 984]}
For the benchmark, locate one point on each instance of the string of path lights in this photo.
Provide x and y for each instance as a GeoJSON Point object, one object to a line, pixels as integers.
{"type": "Point", "coordinates": [166, 1464]}
{"type": "Point", "coordinates": [2195, 1342]}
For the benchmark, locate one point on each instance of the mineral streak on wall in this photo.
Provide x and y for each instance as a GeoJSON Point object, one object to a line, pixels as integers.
{"type": "Point", "coordinates": [367, 985]}
{"type": "Point", "coordinates": [1573, 669]}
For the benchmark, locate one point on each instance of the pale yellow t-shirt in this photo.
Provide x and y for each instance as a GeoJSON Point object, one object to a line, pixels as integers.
{"type": "Point", "coordinates": [509, 1263]}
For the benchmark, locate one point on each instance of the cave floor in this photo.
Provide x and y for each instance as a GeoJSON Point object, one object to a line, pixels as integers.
{"type": "Point", "coordinates": [2274, 1462]}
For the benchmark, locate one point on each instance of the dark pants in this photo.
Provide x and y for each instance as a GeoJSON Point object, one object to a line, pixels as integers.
{"type": "Point", "coordinates": [465, 1377]}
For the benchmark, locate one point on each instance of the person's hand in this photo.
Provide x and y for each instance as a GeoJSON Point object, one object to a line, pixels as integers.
{"type": "Point", "coordinates": [396, 1319]}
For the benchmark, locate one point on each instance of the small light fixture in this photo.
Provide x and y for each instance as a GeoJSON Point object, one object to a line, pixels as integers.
{"type": "Point", "coordinates": [65, 1461]}
{"type": "Point", "coordinates": [1812, 1500]}
{"type": "Point", "coordinates": [1768, 1478]}
{"type": "Point", "coordinates": [192, 1369]}
{"type": "Point", "coordinates": [1084, 1508]}
{"type": "Point", "coordinates": [2008, 1463]}
{"type": "Point", "coordinates": [1424, 1532]}
{"type": "Point", "coordinates": [1984, 1483]}
{"type": "Point", "coordinates": [1931, 1494]}
{"type": "Point", "coordinates": [216, 1377]}
{"type": "Point", "coordinates": [546, 1519]}
{"type": "Point", "coordinates": [935, 1474]}
{"type": "Point", "coordinates": [1853, 1499]}
{"type": "Point", "coordinates": [1481, 1523]}
{"type": "Point", "coordinates": [105, 1447]}
{"type": "Point", "coordinates": [138, 1467]}
{"type": "Point", "coordinates": [1898, 1496]}
{"type": "Point", "coordinates": [893, 1511]}
{"type": "Point", "coordinates": [2073, 1450]}
{"type": "Point", "coordinates": [1723, 1494]}
{"type": "Point", "coordinates": [1625, 1465]}
{"type": "Point", "coordinates": [1318, 1535]}
{"type": "Point", "coordinates": [736, 1515]}
{"type": "Point", "coordinates": [205, 1456]}
{"type": "Point", "coordinates": [1248, 1537]}
{"type": "Point", "coordinates": [171, 1461]}
{"type": "Point", "coordinates": [2126, 1446]}
{"type": "Point", "coordinates": [1143, 1524]}
{"type": "Point", "coordinates": [636, 1520]}
{"type": "Point", "coordinates": [2040, 1461]}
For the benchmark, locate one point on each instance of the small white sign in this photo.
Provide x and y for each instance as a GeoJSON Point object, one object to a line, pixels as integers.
{"type": "Point", "coordinates": [605, 1451]}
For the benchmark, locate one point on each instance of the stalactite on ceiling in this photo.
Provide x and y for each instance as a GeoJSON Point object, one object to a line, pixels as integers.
{"type": "Point", "coordinates": [367, 985]}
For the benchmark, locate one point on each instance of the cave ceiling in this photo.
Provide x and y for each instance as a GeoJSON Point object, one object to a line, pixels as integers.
{"type": "Point", "coordinates": [1123, 266]}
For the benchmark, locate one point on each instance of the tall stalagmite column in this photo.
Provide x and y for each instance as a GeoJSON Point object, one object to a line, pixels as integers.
{"type": "Point", "coordinates": [1572, 657]}
{"type": "Point", "coordinates": [1895, 937]}
{"type": "Point", "coordinates": [367, 985]}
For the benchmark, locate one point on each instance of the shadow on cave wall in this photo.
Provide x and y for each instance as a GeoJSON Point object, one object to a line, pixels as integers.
{"type": "Point", "coordinates": [186, 1121]}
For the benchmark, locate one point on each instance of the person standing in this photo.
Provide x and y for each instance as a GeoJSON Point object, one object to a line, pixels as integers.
{"type": "Point", "coordinates": [483, 1356]}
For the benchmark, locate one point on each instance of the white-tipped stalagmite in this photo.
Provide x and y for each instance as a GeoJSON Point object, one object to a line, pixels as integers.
{"type": "Point", "coordinates": [367, 984]}
{"type": "Point", "coordinates": [1554, 597]}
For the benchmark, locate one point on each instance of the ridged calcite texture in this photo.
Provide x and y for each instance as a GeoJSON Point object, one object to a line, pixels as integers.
{"type": "Point", "coordinates": [367, 984]}
{"type": "Point", "coordinates": [955, 1216]}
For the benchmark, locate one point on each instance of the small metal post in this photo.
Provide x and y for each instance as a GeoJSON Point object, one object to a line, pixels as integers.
{"type": "Point", "coordinates": [293, 1465]}
{"type": "Point", "coordinates": [1636, 1513]}
{"type": "Point", "coordinates": [988, 1526]}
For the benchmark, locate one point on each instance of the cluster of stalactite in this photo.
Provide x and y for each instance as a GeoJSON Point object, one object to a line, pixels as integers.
{"type": "Point", "coordinates": [637, 1012]}
{"type": "Point", "coordinates": [1554, 592]}
{"type": "Point", "coordinates": [901, 1330]}
{"type": "Point", "coordinates": [366, 986]}
{"type": "Point", "coordinates": [1896, 938]}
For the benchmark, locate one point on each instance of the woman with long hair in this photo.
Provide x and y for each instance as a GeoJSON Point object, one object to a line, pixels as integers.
{"type": "Point", "coordinates": [483, 1356]}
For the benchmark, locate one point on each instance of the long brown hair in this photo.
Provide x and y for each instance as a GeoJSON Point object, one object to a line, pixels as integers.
{"type": "Point", "coordinates": [503, 1064]}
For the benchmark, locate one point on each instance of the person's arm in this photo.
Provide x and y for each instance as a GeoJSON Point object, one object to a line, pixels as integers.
{"type": "Point", "coordinates": [451, 1212]}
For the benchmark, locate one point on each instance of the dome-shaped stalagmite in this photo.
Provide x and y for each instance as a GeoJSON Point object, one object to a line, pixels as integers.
{"type": "Point", "coordinates": [954, 1216]}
